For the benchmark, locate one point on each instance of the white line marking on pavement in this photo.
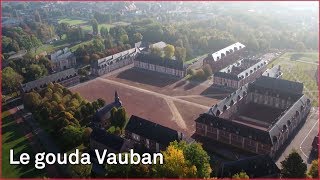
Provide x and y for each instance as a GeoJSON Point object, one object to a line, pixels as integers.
{"type": "Point", "coordinates": [308, 134]}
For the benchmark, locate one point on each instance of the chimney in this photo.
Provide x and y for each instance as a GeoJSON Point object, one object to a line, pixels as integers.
{"type": "Point", "coordinates": [279, 68]}
{"type": "Point", "coordinates": [268, 74]}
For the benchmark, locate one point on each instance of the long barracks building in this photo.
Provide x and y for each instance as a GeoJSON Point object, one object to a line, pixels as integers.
{"type": "Point", "coordinates": [225, 57]}
{"type": "Point", "coordinates": [259, 117]}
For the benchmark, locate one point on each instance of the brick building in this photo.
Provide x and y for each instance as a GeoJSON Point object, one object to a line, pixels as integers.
{"type": "Point", "coordinates": [153, 62]}
{"type": "Point", "coordinates": [258, 117]}
{"type": "Point", "coordinates": [62, 59]}
{"type": "Point", "coordinates": [154, 137]}
{"type": "Point", "coordinates": [225, 57]}
{"type": "Point", "coordinates": [113, 62]}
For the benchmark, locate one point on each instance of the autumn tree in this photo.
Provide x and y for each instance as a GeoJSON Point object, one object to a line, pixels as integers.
{"type": "Point", "coordinates": [180, 53]}
{"type": "Point", "coordinates": [293, 166]}
{"type": "Point", "coordinates": [168, 51]}
{"type": "Point", "coordinates": [156, 51]}
{"type": "Point", "coordinates": [240, 175]}
{"type": "Point", "coordinates": [197, 156]}
{"type": "Point", "coordinates": [11, 80]}
{"type": "Point", "coordinates": [175, 165]}
{"type": "Point", "coordinates": [313, 171]}
{"type": "Point", "coordinates": [207, 70]}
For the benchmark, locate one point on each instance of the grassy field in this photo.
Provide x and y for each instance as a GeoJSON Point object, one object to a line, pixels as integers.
{"type": "Point", "coordinates": [301, 67]}
{"type": "Point", "coordinates": [13, 139]}
{"type": "Point", "coordinates": [89, 27]}
{"type": "Point", "coordinates": [75, 47]}
{"type": "Point", "coordinates": [72, 21]}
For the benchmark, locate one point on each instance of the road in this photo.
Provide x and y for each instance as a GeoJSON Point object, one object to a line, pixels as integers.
{"type": "Point", "coordinates": [302, 142]}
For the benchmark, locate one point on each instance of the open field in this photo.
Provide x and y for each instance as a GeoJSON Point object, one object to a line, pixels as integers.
{"type": "Point", "coordinates": [12, 138]}
{"type": "Point", "coordinates": [163, 99]}
{"type": "Point", "coordinates": [72, 21]}
{"type": "Point", "coordinates": [302, 68]}
{"type": "Point", "coordinates": [88, 27]}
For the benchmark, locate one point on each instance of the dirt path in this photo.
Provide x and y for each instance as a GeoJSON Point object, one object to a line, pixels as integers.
{"type": "Point", "coordinates": [154, 93]}
{"type": "Point", "coordinates": [176, 114]}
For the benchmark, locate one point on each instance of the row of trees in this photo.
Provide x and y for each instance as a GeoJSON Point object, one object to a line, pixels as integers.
{"type": "Point", "coordinates": [64, 112]}
{"type": "Point", "coordinates": [182, 160]}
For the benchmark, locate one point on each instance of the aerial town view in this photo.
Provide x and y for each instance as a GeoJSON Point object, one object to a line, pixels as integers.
{"type": "Point", "coordinates": [159, 89]}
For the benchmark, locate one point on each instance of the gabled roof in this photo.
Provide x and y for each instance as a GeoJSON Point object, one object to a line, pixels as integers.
{"type": "Point", "coordinates": [255, 167]}
{"type": "Point", "coordinates": [274, 72]}
{"type": "Point", "coordinates": [157, 60]}
{"type": "Point", "coordinates": [233, 47]}
{"type": "Point", "coordinates": [110, 140]}
{"type": "Point", "coordinates": [48, 79]}
{"type": "Point", "coordinates": [278, 85]}
{"type": "Point", "coordinates": [153, 131]}
{"type": "Point", "coordinates": [227, 101]}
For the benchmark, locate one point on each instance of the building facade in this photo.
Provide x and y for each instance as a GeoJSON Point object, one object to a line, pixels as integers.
{"type": "Point", "coordinates": [258, 117]}
{"type": "Point", "coordinates": [154, 137]}
{"type": "Point", "coordinates": [113, 62]}
{"type": "Point", "coordinates": [152, 62]}
{"type": "Point", "coordinates": [66, 78]}
{"type": "Point", "coordinates": [62, 60]}
{"type": "Point", "coordinates": [225, 57]}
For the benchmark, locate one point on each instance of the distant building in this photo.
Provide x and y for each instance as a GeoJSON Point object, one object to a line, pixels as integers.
{"type": "Point", "coordinates": [66, 78]}
{"type": "Point", "coordinates": [18, 55]}
{"type": "Point", "coordinates": [63, 59]}
{"type": "Point", "coordinates": [102, 117]}
{"type": "Point", "coordinates": [156, 63]}
{"type": "Point", "coordinates": [113, 62]}
{"type": "Point", "coordinates": [260, 166]}
{"type": "Point", "coordinates": [258, 117]}
{"type": "Point", "coordinates": [225, 57]}
{"type": "Point", "coordinates": [152, 136]}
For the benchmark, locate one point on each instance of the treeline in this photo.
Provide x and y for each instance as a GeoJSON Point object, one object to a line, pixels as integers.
{"type": "Point", "coordinates": [66, 114]}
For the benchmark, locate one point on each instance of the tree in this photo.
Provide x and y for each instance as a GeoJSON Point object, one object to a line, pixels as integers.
{"type": "Point", "coordinates": [197, 156]}
{"type": "Point", "coordinates": [108, 42]}
{"type": "Point", "coordinates": [62, 29]}
{"type": "Point", "coordinates": [207, 70]}
{"type": "Point", "coordinates": [37, 17]}
{"type": "Point", "coordinates": [104, 31]}
{"type": "Point", "coordinates": [11, 80]}
{"type": "Point", "coordinates": [241, 175]}
{"type": "Point", "coordinates": [180, 53]}
{"type": "Point", "coordinates": [35, 71]}
{"type": "Point", "coordinates": [32, 100]}
{"type": "Point", "coordinates": [313, 171]}
{"type": "Point", "coordinates": [293, 166]}
{"type": "Point", "coordinates": [124, 38]}
{"type": "Point", "coordinates": [156, 51]}
{"type": "Point", "coordinates": [137, 37]}
{"type": "Point", "coordinates": [71, 136]}
{"type": "Point", "coordinates": [168, 51]}
{"type": "Point", "coordinates": [175, 166]}
{"type": "Point", "coordinates": [300, 46]}
{"type": "Point", "coordinates": [94, 25]}
{"type": "Point", "coordinates": [80, 170]}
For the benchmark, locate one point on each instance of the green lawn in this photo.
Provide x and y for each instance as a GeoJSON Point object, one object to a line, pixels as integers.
{"type": "Point", "coordinates": [75, 47]}
{"type": "Point", "coordinates": [89, 27]}
{"type": "Point", "coordinates": [300, 71]}
{"type": "Point", "coordinates": [72, 21]}
{"type": "Point", "coordinates": [13, 139]}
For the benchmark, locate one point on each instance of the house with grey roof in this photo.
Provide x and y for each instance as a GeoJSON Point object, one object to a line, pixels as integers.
{"type": "Point", "coordinates": [66, 78]}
